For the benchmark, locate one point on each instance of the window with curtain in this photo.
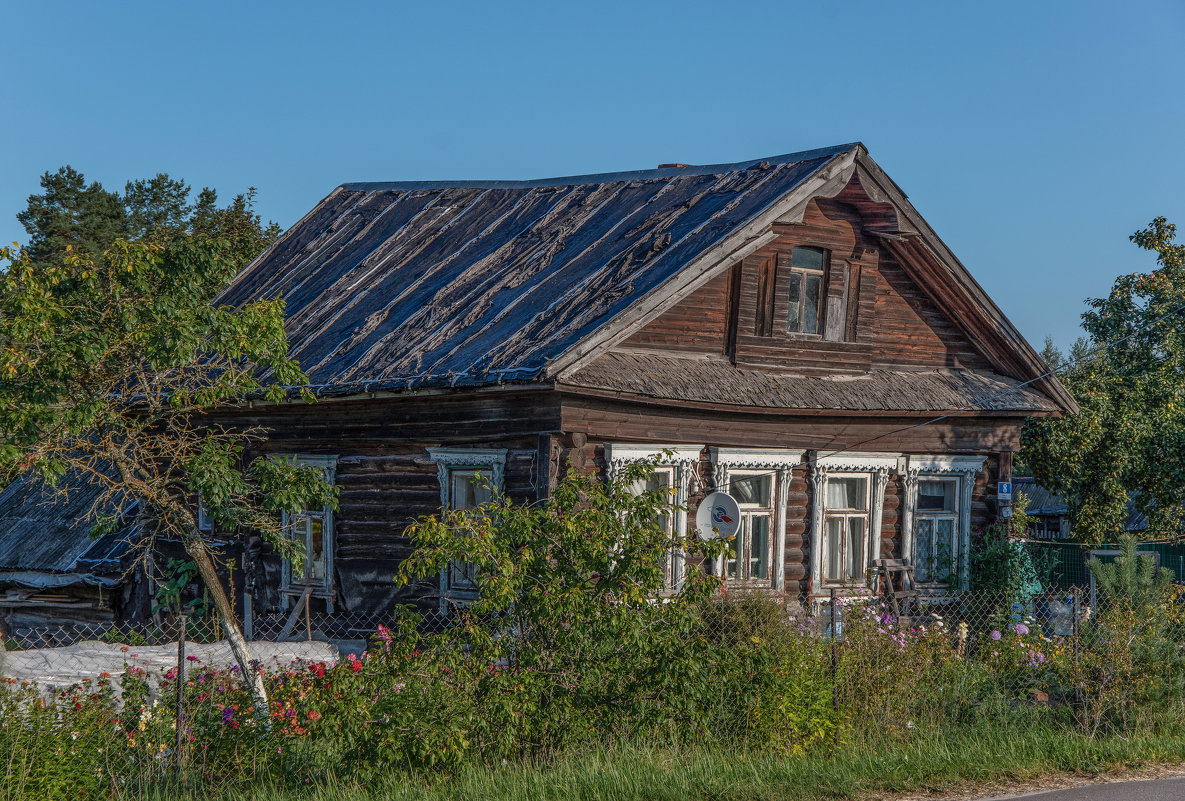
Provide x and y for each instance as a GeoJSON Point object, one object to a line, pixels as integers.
{"type": "Point", "coordinates": [468, 489]}
{"type": "Point", "coordinates": [846, 529]}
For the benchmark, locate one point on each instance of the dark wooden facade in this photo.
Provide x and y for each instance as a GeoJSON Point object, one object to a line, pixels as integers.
{"type": "Point", "coordinates": [564, 321]}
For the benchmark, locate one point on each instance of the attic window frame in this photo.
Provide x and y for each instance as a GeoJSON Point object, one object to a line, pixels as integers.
{"type": "Point", "coordinates": [790, 270]}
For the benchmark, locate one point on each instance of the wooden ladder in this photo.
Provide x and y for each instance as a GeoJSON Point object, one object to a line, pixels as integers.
{"type": "Point", "coordinates": [895, 580]}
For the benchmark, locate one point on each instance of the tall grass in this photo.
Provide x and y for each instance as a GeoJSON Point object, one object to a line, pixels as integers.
{"type": "Point", "coordinates": [988, 753]}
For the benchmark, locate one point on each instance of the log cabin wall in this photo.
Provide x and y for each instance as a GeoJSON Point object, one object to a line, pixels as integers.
{"type": "Point", "coordinates": [387, 479]}
{"type": "Point", "coordinates": [590, 423]}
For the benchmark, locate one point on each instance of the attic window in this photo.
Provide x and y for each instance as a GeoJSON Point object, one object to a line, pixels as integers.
{"type": "Point", "coordinates": [808, 271]}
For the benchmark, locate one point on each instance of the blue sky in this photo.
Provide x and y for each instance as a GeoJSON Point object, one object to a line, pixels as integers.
{"type": "Point", "coordinates": [1034, 137]}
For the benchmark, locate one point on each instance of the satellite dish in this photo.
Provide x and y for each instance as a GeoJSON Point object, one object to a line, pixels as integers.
{"type": "Point", "coordinates": [718, 517]}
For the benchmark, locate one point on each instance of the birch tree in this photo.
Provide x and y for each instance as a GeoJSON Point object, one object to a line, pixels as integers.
{"type": "Point", "coordinates": [120, 368]}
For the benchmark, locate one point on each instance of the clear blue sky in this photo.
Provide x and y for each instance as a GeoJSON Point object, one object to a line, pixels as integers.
{"type": "Point", "coordinates": [1035, 137]}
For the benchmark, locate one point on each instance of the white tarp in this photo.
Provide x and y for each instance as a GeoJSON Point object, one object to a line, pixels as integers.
{"type": "Point", "coordinates": [90, 659]}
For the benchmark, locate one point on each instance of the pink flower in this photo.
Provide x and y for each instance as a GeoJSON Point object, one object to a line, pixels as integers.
{"type": "Point", "coordinates": [1021, 628]}
{"type": "Point", "coordinates": [995, 635]}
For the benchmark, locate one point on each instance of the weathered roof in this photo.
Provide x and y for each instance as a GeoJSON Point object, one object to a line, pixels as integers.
{"type": "Point", "coordinates": [1047, 503]}
{"type": "Point", "coordinates": [717, 381]}
{"type": "Point", "coordinates": [401, 285]}
{"type": "Point", "coordinates": [45, 530]}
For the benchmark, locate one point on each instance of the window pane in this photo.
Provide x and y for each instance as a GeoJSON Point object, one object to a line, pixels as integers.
{"type": "Point", "coordinates": [807, 258]}
{"type": "Point", "coordinates": [936, 496]}
{"type": "Point", "coordinates": [833, 549]}
{"type": "Point", "coordinates": [923, 545]}
{"type": "Point", "coordinates": [737, 556]}
{"type": "Point", "coordinates": [759, 547]}
{"type": "Point", "coordinates": [751, 489]}
{"type": "Point", "coordinates": [855, 560]}
{"type": "Point", "coordinates": [944, 548]}
{"type": "Point", "coordinates": [792, 323]}
{"type": "Point", "coordinates": [464, 490]}
{"type": "Point", "coordinates": [846, 493]}
{"type": "Point", "coordinates": [810, 304]}
{"type": "Point", "coordinates": [316, 548]}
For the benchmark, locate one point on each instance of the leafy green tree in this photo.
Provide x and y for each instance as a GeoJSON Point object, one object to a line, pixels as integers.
{"type": "Point", "coordinates": [86, 218]}
{"type": "Point", "coordinates": [113, 367]}
{"type": "Point", "coordinates": [572, 603]}
{"type": "Point", "coordinates": [1127, 439]}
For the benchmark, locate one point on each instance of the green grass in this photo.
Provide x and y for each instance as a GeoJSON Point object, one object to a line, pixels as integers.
{"type": "Point", "coordinates": [985, 755]}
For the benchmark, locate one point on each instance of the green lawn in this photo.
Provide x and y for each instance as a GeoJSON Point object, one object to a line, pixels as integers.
{"type": "Point", "coordinates": [985, 756]}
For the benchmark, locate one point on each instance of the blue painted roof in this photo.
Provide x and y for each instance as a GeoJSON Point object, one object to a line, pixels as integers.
{"type": "Point", "coordinates": [455, 283]}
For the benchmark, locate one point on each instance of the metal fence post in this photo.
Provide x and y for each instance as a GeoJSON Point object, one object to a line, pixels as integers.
{"type": "Point", "coordinates": [1076, 595]}
{"type": "Point", "coordinates": [181, 625]}
{"type": "Point", "coordinates": [834, 666]}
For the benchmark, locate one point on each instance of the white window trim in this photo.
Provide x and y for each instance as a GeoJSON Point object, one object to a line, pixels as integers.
{"type": "Point", "coordinates": [490, 462]}
{"type": "Point", "coordinates": [287, 589]}
{"type": "Point", "coordinates": [966, 469]}
{"type": "Point", "coordinates": [685, 460]}
{"type": "Point", "coordinates": [878, 467]}
{"type": "Point", "coordinates": [782, 462]}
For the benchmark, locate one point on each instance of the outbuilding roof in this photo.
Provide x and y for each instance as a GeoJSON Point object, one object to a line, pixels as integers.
{"type": "Point", "coordinates": [46, 530]}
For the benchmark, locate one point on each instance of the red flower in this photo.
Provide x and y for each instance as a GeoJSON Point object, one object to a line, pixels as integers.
{"type": "Point", "coordinates": [357, 666]}
{"type": "Point", "coordinates": [314, 714]}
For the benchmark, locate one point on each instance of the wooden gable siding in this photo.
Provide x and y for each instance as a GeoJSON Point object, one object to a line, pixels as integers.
{"type": "Point", "coordinates": [887, 321]}
{"type": "Point", "coordinates": [387, 479]}
{"type": "Point", "coordinates": [875, 315]}
{"type": "Point", "coordinates": [699, 324]}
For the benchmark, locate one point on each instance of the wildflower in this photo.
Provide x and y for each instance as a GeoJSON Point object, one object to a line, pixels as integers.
{"type": "Point", "coordinates": [314, 714]}
{"type": "Point", "coordinates": [192, 659]}
{"type": "Point", "coordinates": [227, 714]}
{"type": "Point", "coordinates": [995, 634]}
{"type": "Point", "coordinates": [1021, 628]}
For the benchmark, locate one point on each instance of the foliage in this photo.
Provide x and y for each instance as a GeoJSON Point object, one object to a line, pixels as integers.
{"type": "Point", "coordinates": [769, 678]}
{"type": "Point", "coordinates": [70, 215]}
{"type": "Point", "coordinates": [113, 371]}
{"type": "Point", "coordinates": [1131, 577]}
{"type": "Point", "coordinates": [573, 633]}
{"type": "Point", "coordinates": [761, 689]}
{"type": "Point", "coordinates": [1121, 446]}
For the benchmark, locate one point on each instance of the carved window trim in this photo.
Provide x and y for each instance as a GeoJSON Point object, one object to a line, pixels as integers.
{"type": "Point", "coordinates": [782, 463]}
{"type": "Point", "coordinates": [878, 467]}
{"type": "Point", "coordinates": [489, 462]}
{"type": "Point", "coordinates": [966, 469]}
{"type": "Point", "coordinates": [684, 461]}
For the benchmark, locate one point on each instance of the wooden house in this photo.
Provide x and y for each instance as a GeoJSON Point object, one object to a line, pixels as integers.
{"type": "Point", "coordinates": [789, 328]}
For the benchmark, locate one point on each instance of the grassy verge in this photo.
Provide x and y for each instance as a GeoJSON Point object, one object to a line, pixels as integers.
{"type": "Point", "coordinates": [932, 761]}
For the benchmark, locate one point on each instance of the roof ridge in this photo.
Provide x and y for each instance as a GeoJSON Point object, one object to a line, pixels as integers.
{"type": "Point", "coordinates": [606, 177]}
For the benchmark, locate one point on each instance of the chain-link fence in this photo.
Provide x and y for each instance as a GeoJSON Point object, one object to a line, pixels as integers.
{"type": "Point", "coordinates": [896, 659]}
{"type": "Point", "coordinates": [742, 671]}
{"type": "Point", "coordinates": [1062, 565]}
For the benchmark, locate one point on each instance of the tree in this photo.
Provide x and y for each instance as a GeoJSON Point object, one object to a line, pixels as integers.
{"type": "Point", "coordinates": [114, 366]}
{"type": "Point", "coordinates": [71, 214]}
{"type": "Point", "coordinates": [88, 219]}
{"type": "Point", "coordinates": [1126, 441]}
